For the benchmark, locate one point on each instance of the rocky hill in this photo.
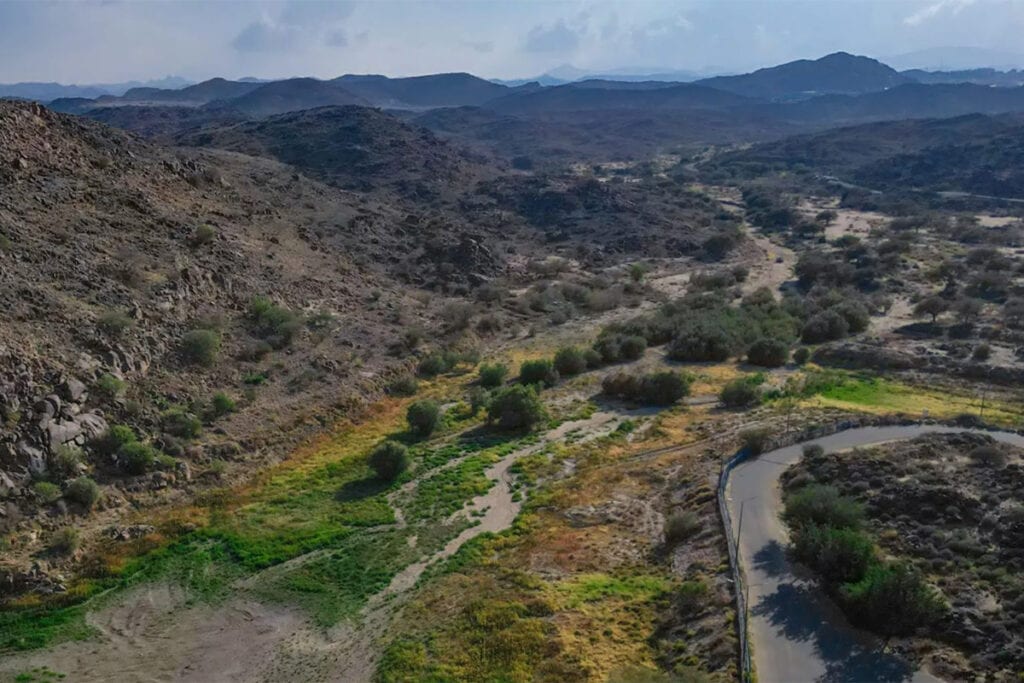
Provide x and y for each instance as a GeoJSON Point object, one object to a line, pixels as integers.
{"type": "Point", "coordinates": [137, 280]}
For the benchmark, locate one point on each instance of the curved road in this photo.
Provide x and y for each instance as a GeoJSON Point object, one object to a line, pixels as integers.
{"type": "Point", "coordinates": [796, 633]}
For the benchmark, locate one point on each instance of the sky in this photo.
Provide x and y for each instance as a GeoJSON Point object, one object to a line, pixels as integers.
{"type": "Point", "coordinates": [107, 41]}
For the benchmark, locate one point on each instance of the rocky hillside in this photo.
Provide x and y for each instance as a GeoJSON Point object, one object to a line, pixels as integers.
{"type": "Point", "coordinates": [151, 287]}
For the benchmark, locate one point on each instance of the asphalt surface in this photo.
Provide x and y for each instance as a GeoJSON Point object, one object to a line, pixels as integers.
{"type": "Point", "coordinates": [797, 633]}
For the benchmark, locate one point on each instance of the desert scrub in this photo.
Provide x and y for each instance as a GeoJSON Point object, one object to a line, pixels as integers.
{"type": "Point", "coordinates": [201, 347]}
{"type": "Point", "coordinates": [273, 323]}
{"type": "Point", "coordinates": [83, 491]}
{"type": "Point", "coordinates": [64, 541]}
{"type": "Point", "coordinates": [114, 324]}
{"type": "Point", "coordinates": [109, 387]}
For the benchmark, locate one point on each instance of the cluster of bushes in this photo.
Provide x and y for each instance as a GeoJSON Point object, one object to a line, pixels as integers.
{"type": "Point", "coordinates": [658, 388]}
{"type": "Point", "coordinates": [273, 323]}
{"type": "Point", "coordinates": [706, 327]}
{"type": "Point", "coordinates": [122, 446]}
{"type": "Point", "coordinates": [888, 597]}
{"type": "Point", "coordinates": [444, 360]}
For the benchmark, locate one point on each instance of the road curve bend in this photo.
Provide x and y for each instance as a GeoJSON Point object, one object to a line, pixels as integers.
{"type": "Point", "coordinates": [796, 633]}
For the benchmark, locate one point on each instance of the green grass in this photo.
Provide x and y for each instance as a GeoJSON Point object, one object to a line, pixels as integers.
{"type": "Point", "coordinates": [596, 587]}
{"type": "Point", "coordinates": [439, 496]}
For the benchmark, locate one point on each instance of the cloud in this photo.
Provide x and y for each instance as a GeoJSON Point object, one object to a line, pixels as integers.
{"type": "Point", "coordinates": [936, 8]}
{"type": "Point", "coordinates": [481, 46]}
{"type": "Point", "coordinates": [266, 36]}
{"type": "Point", "coordinates": [555, 38]}
{"type": "Point", "coordinates": [336, 38]}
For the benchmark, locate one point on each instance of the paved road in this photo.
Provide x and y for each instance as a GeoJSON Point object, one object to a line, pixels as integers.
{"type": "Point", "coordinates": [797, 634]}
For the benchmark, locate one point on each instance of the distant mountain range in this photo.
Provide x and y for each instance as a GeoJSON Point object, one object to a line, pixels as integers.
{"type": "Point", "coordinates": [46, 92]}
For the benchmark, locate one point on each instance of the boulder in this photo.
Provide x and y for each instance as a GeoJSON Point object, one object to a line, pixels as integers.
{"type": "Point", "coordinates": [72, 390]}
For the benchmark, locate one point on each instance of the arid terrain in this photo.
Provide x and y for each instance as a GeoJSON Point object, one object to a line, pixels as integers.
{"type": "Point", "coordinates": [293, 388]}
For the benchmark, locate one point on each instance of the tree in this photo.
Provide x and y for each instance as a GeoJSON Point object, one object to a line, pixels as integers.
{"type": "Point", "coordinates": [423, 417]}
{"type": "Point", "coordinates": [516, 408]}
{"type": "Point", "coordinates": [389, 460]}
{"type": "Point", "coordinates": [933, 306]}
{"type": "Point", "coordinates": [768, 353]}
{"type": "Point", "coordinates": [967, 309]}
{"type": "Point", "coordinates": [825, 326]}
{"type": "Point", "coordinates": [664, 388]}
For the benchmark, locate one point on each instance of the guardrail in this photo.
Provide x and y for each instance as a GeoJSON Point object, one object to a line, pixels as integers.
{"type": "Point", "coordinates": [746, 665]}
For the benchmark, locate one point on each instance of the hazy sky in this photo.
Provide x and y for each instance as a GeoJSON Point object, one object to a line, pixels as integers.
{"type": "Point", "coordinates": [115, 40]}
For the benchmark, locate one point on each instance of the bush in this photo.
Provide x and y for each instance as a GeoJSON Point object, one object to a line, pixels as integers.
{"type": "Point", "coordinates": [855, 314]}
{"type": "Point", "coordinates": [664, 388]}
{"type": "Point", "coordinates": [801, 355]}
{"type": "Point", "coordinates": [136, 457]}
{"type": "Point", "coordinates": [274, 324]}
{"type": "Point", "coordinates": [406, 385]}
{"type": "Point", "coordinates": [437, 362]}
{"type": "Point", "coordinates": [423, 417]}
{"type": "Point", "coordinates": [741, 392]}
{"type": "Point", "coordinates": [632, 347]}
{"type": "Point", "coordinates": [680, 526]}
{"type": "Point", "coordinates": [201, 347]}
{"type": "Point", "coordinates": [83, 491]}
{"type": "Point", "coordinates": [982, 352]}
{"type": "Point", "coordinates": [114, 323]}
{"type": "Point", "coordinates": [755, 440]}
{"type": "Point", "coordinates": [111, 442]}
{"type": "Point", "coordinates": [701, 344]}
{"type": "Point", "coordinates": [203, 234]}
{"type": "Point", "coordinates": [839, 555]}
{"type": "Point", "coordinates": [109, 387]}
{"type": "Point", "coordinates": [659, 389]}
{"type": "Point", "coordinates": [516, 407]}
{"type": "Point", "coordinates": [892, 600]}
{"type": "Point", "coordinates": [570, 361]}
{"type": "Point", "coordinates": [47, 492]}
{"type": "Point", "coordinates": [593, 359]}
{"type": "Point", "coordinates": [389, 460]}
{"type": "Point", "coordinates": [812, 450]}
{"type": "Point", "coordinates": [825, 326]}
{"type": "Point", "coordinates": [181, 424]}
{"type": "Point", "coordinates": [989, 456]}
{"type": "Point", "coordinates": [492, 374]}
{"type": "Point", "coordinates": [478, 399]}
{"type": "Point", "coordinates": [541, 371]}
{"type": "Point", "coordinates": [64, 540]}
{"type": "Point", "coordinates": [768, 353]}
{"type": "Point", "coordinates": [822, 505]}
{"type": "Point", "coordinates": [66, 461]}
{"type": "Point", "coordinates": [221, 404]}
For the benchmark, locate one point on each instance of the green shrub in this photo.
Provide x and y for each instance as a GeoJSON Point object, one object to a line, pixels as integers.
{"type": "Point", "coordinates": [570, 361]}
{"type": "Point", "coordinates": [825, 326]}
{"type": "Point", "coordinates": [755, 440]}
{"type": "Point", "coordinates": [221, 404]}
{"type": "Point", "coordinates": [990, 455]}
{"type": "Point", "coordinates": [892, 600]}
{"type": "Point", "coordinates": [824, 506]}
{"type": "Point", "coordinates": [83, 491]}
{"type": "Point", "coordinates": [516, 407]}
{"type": "Point", "coordinates": [406, 385]}
{"type": "Point", "coordinates": [664, 388]}
{"type": "Point", "coordinates": [136, 457]}
{"type": "Point", "coordinates": [111, 442]}
{"type": "Point", "coordinates": [47, 492]}
{"type": "Point", "coordinates": [478, 399]}
{"type": "Point", "coordinates": [423, 417]}
{"type": "Point", "coordinates": [592, 358]}
{"type": "Point", "coordinates": [181, 424]}
{"type": "Point", "coordinates": [741, 392]}
{"type": "Point", "coordinates": [492, 374]}
{"type": "Point", "coordinates": [109, 387]}
{"type": "Point", "coordinates": [659, 388]}
{"type": "Point", "coordinates": [274, 324]}
{"type": "Point", "coordinates": [609, 347]}
{"type": "Point", "coordinates": [680, 526]}
{"type": "Point", "coordinates": [201, 347]}
{"type": "Point", "coordinates": [66, 461]}
{"type": "Point", "coordinates": [389, 460]}
{"type": "Point", "coordinates": [64, 540]}
{"type": "Point", "coordinates": [437, 363]}
{"type": "Point", "coordinates": [801, 355]}
{"type": "Point", "coordinates": [701, 344]}
{"type": "Point", "coordinates": [768, 353]}
{"type": "Point", "coordinates": [632, 347]}
{"type": "Point", "coordinates": [114, 323]}
{"type": "Point", "coordinates": [982, 352]}
{"type": "Point", "coordinates": [541, 371]}
{"type": "Point", "coordinates": [204, 234]}
{"type": "Point", "coordinates": [839, 555]}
